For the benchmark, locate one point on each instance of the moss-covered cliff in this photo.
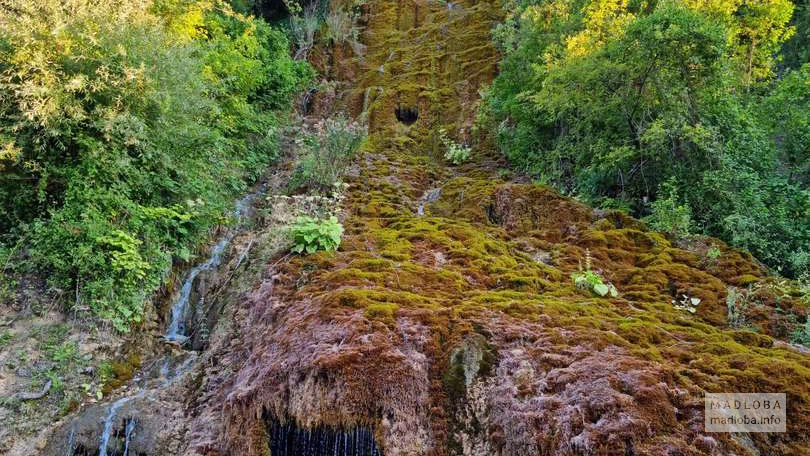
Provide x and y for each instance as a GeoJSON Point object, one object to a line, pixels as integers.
{"type": "Point", "coordinates": [448, 322]}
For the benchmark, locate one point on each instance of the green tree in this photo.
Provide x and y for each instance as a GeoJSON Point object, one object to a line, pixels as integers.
{"type": "Point", "coordinates": [637, 111]}
{"type": "Point", "coordinates": [796, 50]}
{"type": "Point", "coordinates": [609, 100]}
{"type": "Point", "coordinates": [125, 129]}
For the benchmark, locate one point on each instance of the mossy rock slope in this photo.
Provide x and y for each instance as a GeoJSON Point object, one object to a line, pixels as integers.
{"type": "Point", "coordinates": [451, 325]}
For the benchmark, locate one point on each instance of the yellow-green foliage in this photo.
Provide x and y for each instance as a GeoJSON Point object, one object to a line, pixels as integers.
{"type": "Point", "coordinates": [127, 128]}
{"type": "Point", "coordinates": [589, 99]}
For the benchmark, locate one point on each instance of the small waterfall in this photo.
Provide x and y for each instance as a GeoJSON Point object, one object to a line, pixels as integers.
{"type": "Point", "coordinates": [290, 440]}
{"type": "Point", "coordinates": [177, 331]}
{"type": "Point", "coordinates": [109, 424]}
{"type": "Point", "coordinates": [71, 443]}
{"type": "Point", "coordinates": [128, 435]}
{"type": "Point", "coordinates": [164, 370]}
{"type": "Point", "coordinates": [430, 196]}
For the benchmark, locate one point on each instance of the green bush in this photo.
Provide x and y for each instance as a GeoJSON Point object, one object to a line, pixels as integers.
{"type": "Point", "coordinates": [126, 129]}
{"type": "Point", "coordinates": [311, 234]}
{"type": "Point", "coordinates": [326, 152]}
{"type": "Point", "coordinates": [305, 21]}
{"type": "Point", "coordinates": [669, 215]}
{"type": "Point", "coordinates": [802, 334]}
{"type": "Point", "coordinates": [668, 108]}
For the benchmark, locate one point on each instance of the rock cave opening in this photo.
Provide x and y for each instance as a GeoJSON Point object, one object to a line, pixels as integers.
{"type": "Point", "coordinates": [288, 439]}
{"type": "Point", "coordinates": [407, 115]}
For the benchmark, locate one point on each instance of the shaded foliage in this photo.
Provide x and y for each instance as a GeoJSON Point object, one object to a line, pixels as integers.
{"type": "Point", "coordinates": [610, 100]}
{"type": "Point", "coordinates": [126, 128]}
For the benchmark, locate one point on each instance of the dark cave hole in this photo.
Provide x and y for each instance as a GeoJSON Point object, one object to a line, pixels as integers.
{"type": "Point", "coordinates": [288, 439]}
{"type": "Point", "coordinates": [407, 115]}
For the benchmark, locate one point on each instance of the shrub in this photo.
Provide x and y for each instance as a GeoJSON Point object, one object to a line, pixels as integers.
{"type": "Point", "coordinates": [327, 152]}
{"type": "Point", "coordinates": [342, 25]}
{"type": "Point", "coordinates": [804, 287]}
{"type": "Point", "coordinates": [304, 24]}
{"type": "Point", "coordinates": [311, 234]}
{"type": "Point", "coordinates": [713, 253]}
{"type": "Point", "coordinates": [670, 216]}
{"type": "Point", "coordinates": [454, 152]}
{"type": "Point", "coordinates": [126, 128]}
{"type": "Point", "coordinates": [802, 334]}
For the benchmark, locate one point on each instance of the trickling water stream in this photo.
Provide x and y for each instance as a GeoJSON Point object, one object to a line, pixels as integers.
{"type": "Point", "coordinates": [109, 424]}
{"type": "Point", "coordinates": [178, 330]}
{"type": "Point", "coordinates": [71, 443]}
{"type": "Point", "coordinates": [430, 196]}
{"type": "Point", "coordinates": [290, 440]}
{"type": "Point", "coordinates": [128, 435]}
{"type": "Point", "coordinates": [110, 442]}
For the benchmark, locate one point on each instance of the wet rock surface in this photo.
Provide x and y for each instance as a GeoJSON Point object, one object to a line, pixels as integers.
{"type": "Point", "coordinates": [287, 439]}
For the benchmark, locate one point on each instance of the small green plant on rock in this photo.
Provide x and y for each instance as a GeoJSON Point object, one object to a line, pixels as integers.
{"type": "Point", "coordinates": [590, 280]}
{"type": "Point", "coordinates": [454, 152]}
{"type": "Point", "coordinates": [311, 234]}
{"type": "Point", "coordinates": [713, 254]}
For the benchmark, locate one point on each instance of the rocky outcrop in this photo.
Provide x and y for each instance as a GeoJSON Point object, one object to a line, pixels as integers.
{"type": "Point", "coordinates": [451, 325]}
{"type": "Point", "coordinates": [448, 323]}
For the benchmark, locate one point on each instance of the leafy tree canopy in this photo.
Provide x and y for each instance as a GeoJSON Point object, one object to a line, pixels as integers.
{"type": "Point", "coordinates": [611, 99]}
{"type": "Point", "coordinates": [125, 129]}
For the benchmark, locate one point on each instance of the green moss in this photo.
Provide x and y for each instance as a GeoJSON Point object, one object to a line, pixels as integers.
{"type": "Point", "coordinates": [475, 261]}
{"type": "Point", "coordinates": [121, 371]}
{"type": "Point", "coordinates": [382, 311]}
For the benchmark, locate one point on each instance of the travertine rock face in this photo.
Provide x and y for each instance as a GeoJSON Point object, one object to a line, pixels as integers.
{"type": "Point", "coordinates": [450, 324]}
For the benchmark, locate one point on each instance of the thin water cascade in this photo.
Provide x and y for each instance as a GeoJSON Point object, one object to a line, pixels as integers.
{"type": "Point", "coordinates": [128, 435]}
{"type": "Point", "coordinates": [177, 330]}
{"type": "Point", "coordinates": [71, 443]}
{"type": "Point", "coordinates": [430, 196]}
{"type": "Point", "coordinates": [109, 423]}
{"type": "Point", "coordinates": [115, 441]}
{"type": "Point", "coordinates": [290, 440]}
